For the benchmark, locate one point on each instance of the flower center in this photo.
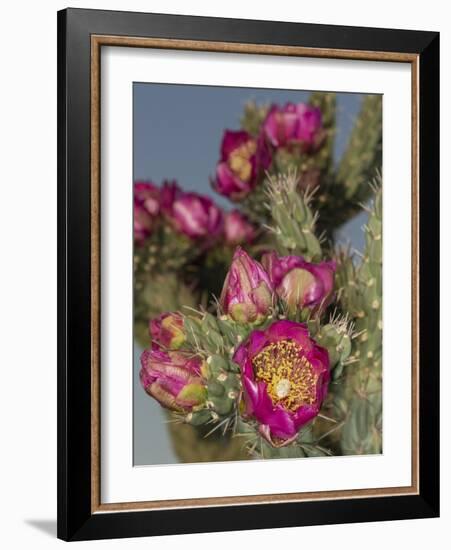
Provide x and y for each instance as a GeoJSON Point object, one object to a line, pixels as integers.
{"type": "Point", "coordinates": [239, 160]}
{"type": "Point", "coordinates": [289, 376]}
{"type": "Point", "coordinates": [283, 388]}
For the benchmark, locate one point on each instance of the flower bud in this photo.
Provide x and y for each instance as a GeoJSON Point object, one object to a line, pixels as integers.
{"type": "Point", "coordinates": [237, 229]}
{"type": "Point", "coordinates": [167, 331]}
{"type": "Point", "coordinates": [293, 124]}
{"type": "Point", "coordinates": [196, 216]}
{"type": "Point", "coordinates": [301, 284]}
{"type": "Point", "coordinates": [173, 379]}
{"type": "Point", "coordinates": [247, 295]}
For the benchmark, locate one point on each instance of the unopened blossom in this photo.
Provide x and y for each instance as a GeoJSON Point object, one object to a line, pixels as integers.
{"type": "Point", "coordinates": [167, 331]}
{"type": "Point", "coordinates": [247, 294]}
{"type": "Point", "coordinates": [301, 284]}
{"type": "Point", "coordinates": [173, 379]}
{"type": "Point", "coordinates": [293, 124]}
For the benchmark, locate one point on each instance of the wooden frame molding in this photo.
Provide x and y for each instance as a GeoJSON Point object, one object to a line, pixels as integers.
{"type": "Point", "coordinates": [97, 41]}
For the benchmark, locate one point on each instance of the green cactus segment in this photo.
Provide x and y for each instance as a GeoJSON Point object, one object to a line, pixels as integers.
{"type": "Point", "coordinates": [214, 340]}
{"type": "Point", "coordinates": [223, 385]}
{"type": "Point", "coordinates": [305, 445]}
{"type": "Point", "coordinates": [336, 338]}
{"type": "Point", "coordinates": [361, 433]}
{"type": "Point", "coordinates": [293, 222]}
{"type": "Point", "coordinates": [363, 156]}
{"type": "Point", "coordinates": [343, 196]}
{"type": "Point", "coordinates": [324, 157]}
{"type": "Point", "coordinates": [361, 295]}
{"type": "Point", "coordinates": [254, 205]}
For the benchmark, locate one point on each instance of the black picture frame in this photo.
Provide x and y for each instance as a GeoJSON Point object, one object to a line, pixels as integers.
{"type": "Point", "coordinates": [76, 519]}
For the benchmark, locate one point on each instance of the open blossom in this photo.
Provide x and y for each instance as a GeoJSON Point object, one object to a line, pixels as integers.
{"type": "Point", "coordinates": [196, 216]}
{"type": "Point", "coordinates": [293, 124]}
{"type": "Point", "coordinates": [237, 228]}
{"type": "Point", "coordinates": [167, 331]}
{"type": "Point", "coordinates": [242, 160]}
{"type": "Point", "coordinates": [247, 295]}
{"type": "Point", "coordinates": [173, 379]}
{"type": "Point", "coordinates": [285, 376]}
{"type": "Point", "coordinates": [300, 283]}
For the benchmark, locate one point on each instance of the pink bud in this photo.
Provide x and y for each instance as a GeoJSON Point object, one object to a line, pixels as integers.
{"type": "Point", "coordinates": [247, 295]}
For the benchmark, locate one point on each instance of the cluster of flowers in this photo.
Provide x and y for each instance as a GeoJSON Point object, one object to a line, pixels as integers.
{"type": "Point", "coordinates": [244, 158]}
{"type": "Point", "coordinates": [282, 372]}
{"type": "Point", "coordinates": [190, 214]}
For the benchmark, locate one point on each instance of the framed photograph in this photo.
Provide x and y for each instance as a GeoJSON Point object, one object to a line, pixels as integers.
{"type": "Point", "coordinates": [248, 274]}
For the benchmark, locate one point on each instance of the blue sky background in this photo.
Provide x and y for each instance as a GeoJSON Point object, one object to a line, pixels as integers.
{"type": "Point", "coordinates": [177, 131]}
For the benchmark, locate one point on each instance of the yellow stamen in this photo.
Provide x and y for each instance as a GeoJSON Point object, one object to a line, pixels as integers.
{"type": "Point", "coordinates": [239, 160]}
{"type": "Point", "coordinates": [290, 378]}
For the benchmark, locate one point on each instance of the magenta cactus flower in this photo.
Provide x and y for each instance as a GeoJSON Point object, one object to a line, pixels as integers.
{"type": "Point", "coordinates": [242, 159]}
{"type": "Point", "coordinates": [196, 216]}
{"type": "Point", "coordinates": [247, 295]}
{"type": "Point", "coordinates": [285, 377]}
{"type": "Point", "coordinates": [301, 284]}
{"type": "Point", "coordinates": [173, 379]}
{"type": "Point", "coordinates": [238, 229]}
{"type": "Point", "coordinates": [167, 331]}
{"type": "Point", "coordinates": [293, 124]}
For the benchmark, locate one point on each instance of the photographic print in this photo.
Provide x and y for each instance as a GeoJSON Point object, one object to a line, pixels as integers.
{"type": "Point", "coordinates": [257, 274]}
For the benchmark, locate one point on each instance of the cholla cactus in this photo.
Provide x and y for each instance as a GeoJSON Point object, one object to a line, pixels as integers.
{"type": "Point", "coordinates": [361, 296]}
{"type": "Point", "coordinates": [287, 362]}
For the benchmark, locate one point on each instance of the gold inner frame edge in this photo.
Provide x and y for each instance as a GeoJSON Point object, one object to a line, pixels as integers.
{"type": "Point", "coordinates": [97, 41]}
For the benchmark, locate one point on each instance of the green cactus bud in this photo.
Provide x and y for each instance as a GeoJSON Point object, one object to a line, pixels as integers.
{"type": "Point", "coordinates": [293, 222]}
